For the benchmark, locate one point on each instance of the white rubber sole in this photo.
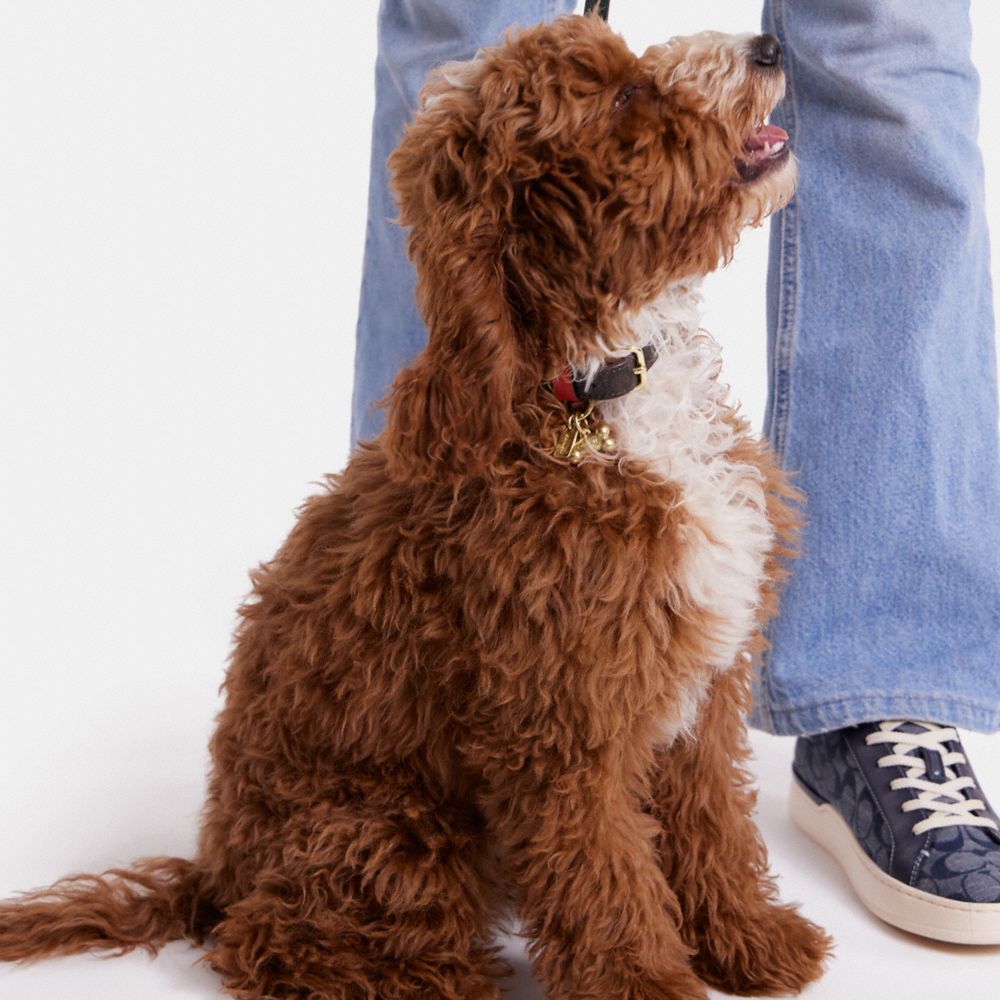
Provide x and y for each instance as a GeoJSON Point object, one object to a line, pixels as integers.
{"type": "Point", "coordinates": [889, 899]}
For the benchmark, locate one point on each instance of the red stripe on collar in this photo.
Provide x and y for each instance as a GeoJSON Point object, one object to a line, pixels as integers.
{"type": "Point", "coordinates": [563, 387]}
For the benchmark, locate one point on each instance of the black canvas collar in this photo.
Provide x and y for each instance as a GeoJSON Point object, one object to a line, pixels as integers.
{"type": "Point", "coordinates": [614, 379]}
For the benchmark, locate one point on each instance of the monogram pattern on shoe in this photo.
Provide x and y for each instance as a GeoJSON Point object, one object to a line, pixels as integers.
{"type": "Point", "coordinates": [824, 765]}
{"type": "Point", "coordinates": [962, 864]}
{"type": "Point", "coordinates": [909, 795]}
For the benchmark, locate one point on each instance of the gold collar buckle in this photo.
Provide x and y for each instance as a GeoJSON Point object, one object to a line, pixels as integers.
{"type": "Point", "coordinates": [640, 368]}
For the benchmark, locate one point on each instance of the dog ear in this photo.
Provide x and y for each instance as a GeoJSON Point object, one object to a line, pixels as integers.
{"type": "Point", "coordinates": [452, 410]}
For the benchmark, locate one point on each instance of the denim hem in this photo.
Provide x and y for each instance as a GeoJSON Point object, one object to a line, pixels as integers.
{"type": "Point", "coordinates": [806, 720]}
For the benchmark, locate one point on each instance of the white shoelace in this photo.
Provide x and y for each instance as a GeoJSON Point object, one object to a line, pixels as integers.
{"type": "Point", "coordinates": [942, 799]}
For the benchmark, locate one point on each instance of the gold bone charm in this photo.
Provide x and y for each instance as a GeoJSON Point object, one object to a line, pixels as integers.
{"type": "Point", "coordinates": [578, 435]}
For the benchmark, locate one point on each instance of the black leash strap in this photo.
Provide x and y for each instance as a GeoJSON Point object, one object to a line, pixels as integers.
{"type": "Point", "coordinates": [601, 5]}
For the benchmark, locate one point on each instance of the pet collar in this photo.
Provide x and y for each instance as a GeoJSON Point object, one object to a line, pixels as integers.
{"type": "Point", "coordinates": [614, 379]}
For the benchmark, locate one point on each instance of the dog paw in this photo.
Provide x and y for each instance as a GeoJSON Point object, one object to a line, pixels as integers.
{"type": "Point", "coordinates": [771, 951]}
{"type": "Point", "coordinates": [683, 984]}
{"type": "Point", "coordinates": [672, 980]}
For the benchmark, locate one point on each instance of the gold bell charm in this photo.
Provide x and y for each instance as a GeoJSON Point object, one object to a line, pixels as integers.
{"type": "Point", "coordinates": [605, 442]}
{"type": "Point", "coordinates": [577, 437]}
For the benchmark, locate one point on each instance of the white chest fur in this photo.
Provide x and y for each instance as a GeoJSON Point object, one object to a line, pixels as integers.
{"type": "Point", "coordinates": [676, 424]}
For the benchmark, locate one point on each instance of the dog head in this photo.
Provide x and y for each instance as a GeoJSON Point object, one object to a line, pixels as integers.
{"type": "Point", "coordinates": [550, 186]}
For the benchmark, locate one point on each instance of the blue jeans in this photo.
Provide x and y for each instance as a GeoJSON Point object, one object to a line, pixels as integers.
{"type": "Point", "coordinates": [882, 372]}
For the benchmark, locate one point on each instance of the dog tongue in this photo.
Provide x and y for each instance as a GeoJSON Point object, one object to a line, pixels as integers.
{"type": "Point", "coordinates": [768, 135]}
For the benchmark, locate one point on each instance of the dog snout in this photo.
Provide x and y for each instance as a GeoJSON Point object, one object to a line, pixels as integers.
{"type": "Point", "coordinates": [765, 51]}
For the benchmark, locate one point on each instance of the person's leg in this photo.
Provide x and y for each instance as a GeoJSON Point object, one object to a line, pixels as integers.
{"type": "Point", "coordinates": [883, 395]}
{"type": "Point", "coordinates": [413, 36]}
{"type": "Point", "coordinates": [883, 374]}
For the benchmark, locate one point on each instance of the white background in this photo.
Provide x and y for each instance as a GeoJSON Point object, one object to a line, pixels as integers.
{"type": "Point", "coordinates": [182, 197]}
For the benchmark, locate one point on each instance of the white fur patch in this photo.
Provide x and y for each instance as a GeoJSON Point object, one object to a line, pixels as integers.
{"type": "Point", "coordinates": [675, 424]}
{"type": "Point", "coordinates": [450, 77]}
{"type": "Point", "coordinates": [720, 63]}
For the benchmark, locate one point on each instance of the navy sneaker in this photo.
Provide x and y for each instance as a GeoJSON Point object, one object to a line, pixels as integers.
{"type": "Point", "coordinates": [899, 807]}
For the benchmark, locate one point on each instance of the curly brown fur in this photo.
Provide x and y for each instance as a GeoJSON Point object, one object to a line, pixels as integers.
{"type": "Point", "coordinates": [744, 942]}
{"type": "Point", "coordinates": [155, 901]}
{"type": "Point", "coordinates": [451, 684]}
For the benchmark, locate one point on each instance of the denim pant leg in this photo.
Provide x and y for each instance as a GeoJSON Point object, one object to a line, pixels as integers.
{"type": "Point", "coordinates": [883, 374]}
{"type": "Point", "coordinates": [413, 36]}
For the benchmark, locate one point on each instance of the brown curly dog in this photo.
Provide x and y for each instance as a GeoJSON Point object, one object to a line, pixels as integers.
{"type": "Point", "coordinates": [483, 669]}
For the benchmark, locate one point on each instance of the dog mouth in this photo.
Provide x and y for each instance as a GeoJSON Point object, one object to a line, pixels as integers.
{"type": "Point", "coordinates": [762, 152]}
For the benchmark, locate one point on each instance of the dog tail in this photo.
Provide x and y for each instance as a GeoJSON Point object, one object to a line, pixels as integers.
{"type": "Point", "coordinates": [145, 906]}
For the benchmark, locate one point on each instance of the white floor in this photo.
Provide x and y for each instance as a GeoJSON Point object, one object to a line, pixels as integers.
{"type": "Point", "coordinates": [39, 842]}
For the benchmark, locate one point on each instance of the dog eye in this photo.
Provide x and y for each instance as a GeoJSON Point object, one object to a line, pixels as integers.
{"type": "Point", "coordinates": [625, 95]}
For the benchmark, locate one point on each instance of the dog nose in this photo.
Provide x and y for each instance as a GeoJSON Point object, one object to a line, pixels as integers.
{"type": "Point", "coordinates": [765, 50]}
